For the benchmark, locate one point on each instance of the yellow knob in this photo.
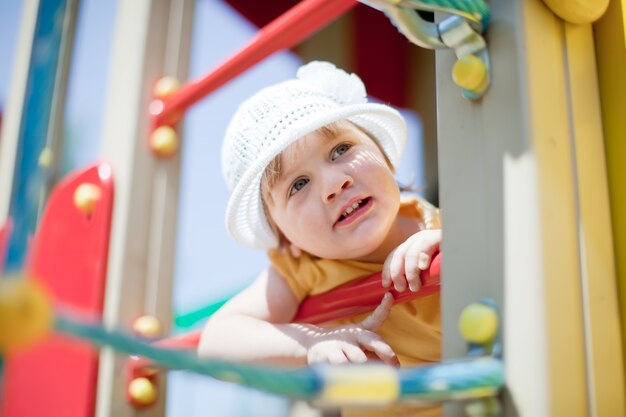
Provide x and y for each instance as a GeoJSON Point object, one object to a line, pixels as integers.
{"type": "Point", "coordinates": [164, 141]}
{"type": "Point", "coordinates": [469, 72]}
{"type": "Point", "coordinates": [86, 196]}
{"type": "Point", "coordinates": [478, 323]}
{"type": "Point", "coordinates": [578, 11]}
{"type": "Point", "coordinates": [45, 158]}
{"type": "Point", "coordinates": [25, 313]}
{"type": "Point", "coordinates": [142, 391]}
{"type": "Point", "coordinates": [147, 326]}
{"type": "Point", "coordinates": [165, 87]}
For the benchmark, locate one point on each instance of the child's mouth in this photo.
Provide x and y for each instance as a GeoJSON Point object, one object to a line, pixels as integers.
{"type": "Point", "coordinates": [352, 211]}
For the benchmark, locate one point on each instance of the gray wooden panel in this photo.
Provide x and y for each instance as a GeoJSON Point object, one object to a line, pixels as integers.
{"type": "Point", "coordinates": [474, 138]}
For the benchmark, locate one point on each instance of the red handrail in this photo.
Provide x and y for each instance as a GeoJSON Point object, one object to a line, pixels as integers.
{"type": "Point", "coordinates": [363, 295]}
{"type": "Point", "coordinates": [347, 300]}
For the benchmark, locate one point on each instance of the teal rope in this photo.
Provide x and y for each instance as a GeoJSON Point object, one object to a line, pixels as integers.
{"type": "Point", "coordinates": [467, 6]}
{"type": "Point", "coordinates": [467, 378]}
{"type": "Point", "coordinates": [300, 383]}
{"type": "Point", "coordinates": [189, 320]}
{"type": "Point", "coordinates": [461, 379]}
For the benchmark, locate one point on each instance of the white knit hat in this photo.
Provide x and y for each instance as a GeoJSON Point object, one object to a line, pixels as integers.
{"type": "Point", "coordinates": [265, 124]}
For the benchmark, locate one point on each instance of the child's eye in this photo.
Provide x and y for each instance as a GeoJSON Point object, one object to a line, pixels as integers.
{"type": "Point", "coordinates": [340, 150]}
{"type": "Point", "coordinates": [298, 185]}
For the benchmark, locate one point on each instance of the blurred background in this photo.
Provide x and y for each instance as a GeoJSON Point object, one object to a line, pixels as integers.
{"type": "Point", "coordinates": [209, 266]}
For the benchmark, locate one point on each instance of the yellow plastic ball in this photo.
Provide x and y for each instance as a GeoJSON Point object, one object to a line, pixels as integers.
{"type": "Point", "coordinates": [86, 196]}
{"type": "Point", "coordinates": [147, 326]}
{"type": "Point", "coordinates": [46, 157]}
{"type": "Point", "coordinates": [478, 323]}
{"type": "Point", "coordinates": [578, 11]}
{"type": "Point", "coordinates": [165, 87]}
{"type": "Point", "coordinates": [142, 391]}
{"type": "Point", "coordinates": [469, 72]}
{"type": "Point", "coordinates": [25, 314]}
{"type": "Point", "coordinates": [164, 141]}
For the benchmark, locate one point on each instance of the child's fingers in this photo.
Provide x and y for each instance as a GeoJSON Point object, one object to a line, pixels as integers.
{"type": "Point", "coordinates": [354, 354]}
{"type": "Point", "coordinates": [378, 316]}
{"type": "Point", "coordinates": [396, 267]}
{"type": "Point", "coordinates": [419, 255]}
{"type": "Point", "coordinates": [423, 260]}
{"type": "Point", "coordinates": [431, 245]}
{"type": "Point", "coordinates": [412, 272]}
{"type": "Point", "coordinates": [337, 357]}
{"type": "Point", "coordinates": [327, 353]}
{"type": "Point", "coordinates": [393, 269]}
{"type": "Point", "coordinates": [385, 274]}
{"type": "Point", "coordinates": [374, 343]}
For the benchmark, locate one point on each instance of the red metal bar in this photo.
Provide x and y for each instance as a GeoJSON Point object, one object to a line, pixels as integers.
{"type": "Point", "coordinates": [285, 31]}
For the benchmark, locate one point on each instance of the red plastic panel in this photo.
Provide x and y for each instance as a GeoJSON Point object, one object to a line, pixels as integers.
{"type": "Point", "coordinates": [5, 234]}
{"type": "Point", "coordinates": [69, 256]}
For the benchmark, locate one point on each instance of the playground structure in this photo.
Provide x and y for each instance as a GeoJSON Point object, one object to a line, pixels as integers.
{"type": "Point", "coordinates": [534, 184]}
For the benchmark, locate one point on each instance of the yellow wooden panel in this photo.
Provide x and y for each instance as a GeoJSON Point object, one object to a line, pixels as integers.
{"type": "Point", "coordinates": [611, 58]}
{"type": "Point", "coordinates": [623, 5]}
{"type": "Point", "coordinates": [598, 268]}
{"type": "Point", "coordinates": [549, 129]}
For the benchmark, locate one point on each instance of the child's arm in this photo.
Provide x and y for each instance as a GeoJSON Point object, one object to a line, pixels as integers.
{"type": "Point", "coordinates": [254, 326]}
{"type": "Point", "coordinates": [404, 264]}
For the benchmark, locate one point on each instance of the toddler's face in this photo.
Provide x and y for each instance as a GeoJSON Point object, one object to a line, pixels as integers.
{"type": "Point", "coordinates": [336, 197]}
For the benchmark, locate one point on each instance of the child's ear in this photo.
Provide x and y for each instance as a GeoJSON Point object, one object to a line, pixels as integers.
{"type": "Point", "coordinates": [295, 251]}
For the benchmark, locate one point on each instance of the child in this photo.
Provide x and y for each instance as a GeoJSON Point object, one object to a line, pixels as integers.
{"type": "Point", "coordinates": [310, 166]}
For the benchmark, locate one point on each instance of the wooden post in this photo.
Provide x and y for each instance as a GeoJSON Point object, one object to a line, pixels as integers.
{"type": "Point", "coordinates": [152, 40]}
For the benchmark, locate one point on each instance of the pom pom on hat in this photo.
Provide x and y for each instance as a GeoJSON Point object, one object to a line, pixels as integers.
{"type": "Point", "coordinates": [342, 87]}
{"type": "Point", "coordinates": [275, 117]}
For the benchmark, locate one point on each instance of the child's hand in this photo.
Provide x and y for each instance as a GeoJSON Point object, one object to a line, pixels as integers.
{"type": "Point", "coordinates": [404, 264]}
{"type": "Point", "coordinates": [351, 343]}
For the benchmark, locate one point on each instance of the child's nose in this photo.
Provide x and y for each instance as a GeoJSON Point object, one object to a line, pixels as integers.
{"type": "Point", "coordinates": [336, 187]}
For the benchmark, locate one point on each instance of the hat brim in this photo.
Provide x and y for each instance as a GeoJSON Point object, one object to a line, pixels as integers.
{"type": "Point", "coordinates": [245, 215]}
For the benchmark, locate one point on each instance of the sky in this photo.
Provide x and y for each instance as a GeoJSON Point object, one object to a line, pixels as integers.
{"type": "Point", "coordinates": [10, 14]}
